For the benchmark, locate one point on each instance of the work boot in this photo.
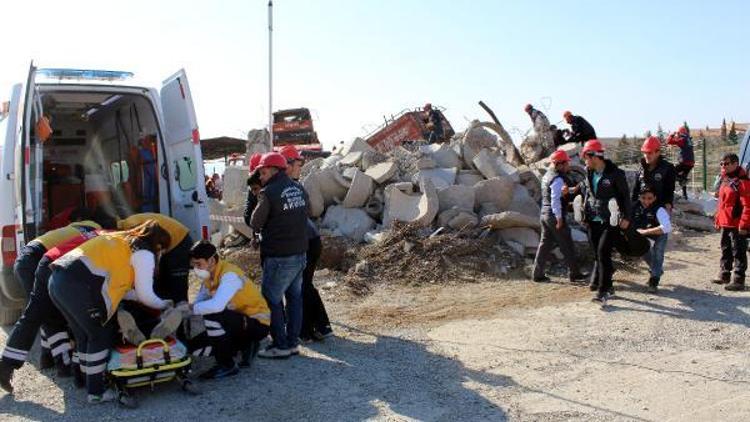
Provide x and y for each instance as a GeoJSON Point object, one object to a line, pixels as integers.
{"type": "Point", "coordinates": [130, 331]}
{"type": "Point", "coordinates": [170, 322]}
{"type": "Point", "coordinates": [737, 284]}
{"type": "Point", "coordinates": [220, 371]}
{"type": "Point", "coordinates": [653, 285]}
{"type": "Point", "coordinates": [542, 279]}
{"type": "Point", "coordinates": [6, 374]}
{"type": "Point", "coordinates": [722, 278]}
{"type": "Point", "coordinates": [249, 354]}
{"type": "Point", "coordinates": [579, 277]}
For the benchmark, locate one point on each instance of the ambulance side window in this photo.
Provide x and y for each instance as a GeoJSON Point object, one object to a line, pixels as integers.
{"type": "Point", "coordinates": [185, 173]}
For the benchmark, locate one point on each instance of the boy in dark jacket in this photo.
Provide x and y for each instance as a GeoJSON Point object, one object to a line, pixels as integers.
{"type": "Point", "coordinates": [733, 219]}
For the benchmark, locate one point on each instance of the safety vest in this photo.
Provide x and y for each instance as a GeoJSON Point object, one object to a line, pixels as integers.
{"type": "Point", "coordinates": [247, 300]}
{"type": "Point", "coordinates": [177, 231]}
{"type": "Point", "coordinates": [107, 256]}
{"type": "Point", "coordinates": [55, 237]}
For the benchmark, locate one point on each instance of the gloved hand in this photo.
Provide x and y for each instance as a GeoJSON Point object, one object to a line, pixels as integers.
{"type": "Point", "coordinates": [130, 331]}
{"type": "Point", "coordinates": [169, 303]}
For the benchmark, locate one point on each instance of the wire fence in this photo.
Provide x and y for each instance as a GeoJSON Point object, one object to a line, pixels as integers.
{"type": "Point", "coordinates": [708, 153]}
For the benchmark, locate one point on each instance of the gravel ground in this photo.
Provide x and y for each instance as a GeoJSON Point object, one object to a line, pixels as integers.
{"type": "Point", "coordinates": [464, 354]}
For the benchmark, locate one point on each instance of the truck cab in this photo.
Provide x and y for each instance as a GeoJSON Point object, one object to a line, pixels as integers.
{"type": "Point", "coordinates": [97, 140]}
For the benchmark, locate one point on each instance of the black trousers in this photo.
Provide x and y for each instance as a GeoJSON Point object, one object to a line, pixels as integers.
{"type": "Point", "coordinates": [40, 312]}
{"type": "Point", "coordinates": [733, 252]}
{"type": "Point", "coordinates": [314, 315]}
{"type": "Point", "coordinates": [174, 266]}
{"type": "Point", "coordinates": [602, 238]}
{"type": "Point", "coordinates": [77, 293]}
{"type": "Point", "coordinates": [550, 238]}
{"type": "Point", "coordinates": [227, 333]}
{"type": "Point", "coordinates": [26, 263]}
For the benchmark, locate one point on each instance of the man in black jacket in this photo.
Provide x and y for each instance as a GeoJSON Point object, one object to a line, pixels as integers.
{"type": "Point", "coordinates": [580, 129]}
{"type": "Point", "coordinates": [281, 218]}
{"type": "Point", "coordinates": [604, 183]}
{"type": "Point", "coordinates": [656, 172]}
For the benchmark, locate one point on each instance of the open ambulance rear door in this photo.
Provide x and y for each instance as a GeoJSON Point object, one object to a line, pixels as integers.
{"type": "Point", "coordinates": [182, 141]}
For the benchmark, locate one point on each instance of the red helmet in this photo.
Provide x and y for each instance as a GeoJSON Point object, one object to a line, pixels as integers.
{"type": "Point", "coordinates": [272, 159]}
{"type": "Point", "coordinates": [528, 108]}
{"type": "Point", "coordinates": [682, 130]}
{"type": "Point", "coordinates": [567, 114]}
{"type": "Point", "coordinates": [559, 156]}
{"type": "Point", "coordinates": [254, 161]}
{"type": "Point", "coordinates": [290, 153]}
{"type": "Point", "coordinates": [651, 144]}
{"type": "Point", "coordinates": [594, 146]}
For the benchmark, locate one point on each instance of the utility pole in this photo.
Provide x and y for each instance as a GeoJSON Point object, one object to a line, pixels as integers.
{"type": "Point", "coordinates": [270, 69]}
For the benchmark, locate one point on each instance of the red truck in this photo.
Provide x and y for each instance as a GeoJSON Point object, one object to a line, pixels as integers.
{"type": "Point", "coordinates": [295, 127]}
{"type": "Point", "coordinates": [408, 125]}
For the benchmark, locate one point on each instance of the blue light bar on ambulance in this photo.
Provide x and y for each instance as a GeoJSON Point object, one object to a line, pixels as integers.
{"type": "Point", "coordinates": [102, 75]}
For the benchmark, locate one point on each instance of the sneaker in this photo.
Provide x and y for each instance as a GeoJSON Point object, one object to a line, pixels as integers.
{"type": "Point", "coordinates": [273, 352]}
{"type": "Point", "coordinates": [6, 374]}
{"type": "Point", "coordinates": [219, 371]}
{"type": "Point", "coordinates": [723, 278]}
{"type": "Point", "coordinates": [579, 278]}
{"type": "Point", "coordinates": [107, 396]}
{"type": "Point", "coordinates": [653, 285]}
{"type": "Point", "coordinates": [542, 279]}
{"type": "Point", "coordinates": [249, 354]}
{"type": "Point", "coordinates": [600, 298]}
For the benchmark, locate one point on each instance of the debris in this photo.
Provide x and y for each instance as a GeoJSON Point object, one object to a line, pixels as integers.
{"type": "Point", "coordinates": [497, 191]}
{"type": "Point", "coordinates": [352, 223]}
{"type": "Point", "coordinates": [360, 190]}
{"type": "Point", "coordinates": [508, 219]}
{"type": "Point", "coordinates": [382, 172]}
{"type": "Point", "coordinates": [351, 159]}
{"type": "Point", "coordinates": [524, 236]}
{"type": "Point", "coordinates": [439, 177]}
{"type": "Point", "coordinates": [457, 196]}
{"type": "Point", "coordinates": [420, 210]}
{"type": "Point", "coordinates": [442, 154]}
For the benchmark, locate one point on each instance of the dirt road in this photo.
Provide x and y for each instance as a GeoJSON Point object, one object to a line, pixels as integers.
{"type": "Point", "coordinates": [486, 351]}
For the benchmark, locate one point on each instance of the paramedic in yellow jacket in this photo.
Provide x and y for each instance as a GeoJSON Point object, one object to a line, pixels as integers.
{"type": "Point", "coordinates": [236, 315]}
{"type": "Point", "coordinates": [174, 265]}
{"type": "Point", "coordinates": [89, 282]}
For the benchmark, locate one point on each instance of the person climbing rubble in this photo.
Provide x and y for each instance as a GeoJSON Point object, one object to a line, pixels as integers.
{"type": "Point", "coordinates": [555, 230]}
{"type": "Point", "coordinates": [434, 124]}
{"type": "Point", "coordinates": [686, 158]}
{"type": "Point", "coordinates": [733, 220]}
{"type": "Point", "coordinates": [604, 182]}
{"type": "Point", "coordinates": [542, 129]}
{"type": "Point", "coordinates": [581, 130]}
{"type": "Point", "coordinates": [656, 172]}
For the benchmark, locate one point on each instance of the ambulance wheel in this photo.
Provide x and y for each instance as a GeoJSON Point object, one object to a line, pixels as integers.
{"type": "Point", "coordinates": [190, 388]}
{"type": "Point", "coordinates": [10, 310]}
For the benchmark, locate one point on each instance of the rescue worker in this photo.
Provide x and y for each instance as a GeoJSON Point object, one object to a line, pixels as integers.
{"type": "Point", "coordinates": [253, 181]}
{"type": "Point", "coordinates": [315, 322]}
{"type": "Point", "coordinates": [581, 130]}
{"type": "Point", "coordinates": [651, 220]}
{"type": "Point", "coordinates": [281, 218]}
{"type": "Point", "coordinates": [41, 312]}
{"type": "Point", "coordinates": [235, 314]}
{"type": "Point", "coordinates": [174, 264]}
{"type": "Point", "coordinates": [656, 172]}
{"type": "Point", "coordinates": [604, 182]}
{"type": "Point", "coordinates": [686, 158]}
{"type": "Point", "coordinates": [542, 129]}
{"type": "Point", "coordinates": [434, 124]}
{"type": "Point", "coordinates": [28, 259]}
{"type": "Point", "coordinates": [733, 219]}
{"type": "Point", "coordinates": [88, 284]}
{"type": "Point", "coordinates": [555, 230]}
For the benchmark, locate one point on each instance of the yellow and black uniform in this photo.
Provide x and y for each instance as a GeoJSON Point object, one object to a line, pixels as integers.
{"type": "Point", "coordinates": [236, 315]}
{"type": "Point", "coordinates": [174, 265]}
{"type": "Point", "coordinates": [87, 285]}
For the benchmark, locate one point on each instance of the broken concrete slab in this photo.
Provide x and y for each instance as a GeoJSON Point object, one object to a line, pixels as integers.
{"type": "Point", "coordinates": [382, 172]}
{"type": "Point", "coordinates": [492, 165]}
{"type": "Point", "coordinates": [425, 163]}
{"type": "Point", "coordinates": [457, 196]}
{"type": "Point", "coordinates": [517, 247]}
{"type": "Point", "coordinates": [405, 187]}
{"type": "Point", "coordinates": [508, 219]}
{"type": "Point", "coordinates": [498, 191]}
{"type": "Point", "coordinates": [475, 139]}
{"type": "Point", "coordinates": [468, 177]}
{"type": "Point", "coordinates": [332, 185]}
{"type": "Point", "coordinates": [352, 223]}
{"type": "Point", "coordinates": [311, 183]}
{"type": "Point", "coordinates": [359, 191]}
{"type": "Point", "coordinates": [349, 173]}
{"type": "Point", "coordinates": [235, 186]}
{"type": "Point", "coordinates": [358, 144]}
{"type": "Point", "coordinates": [443, 155]}
{"type": "Point", "coordinates": [370, 158]}
{"type": "Point", "coordinates": [527, 237]}
{"type": "Point", "coordinates": [463, 221]}
{"type": "Point", "coordinates": [351, 159]}
{"type": "Point", "coordinates": [440, 177]}
{"type": "Point", "coordinates": [523, 202]}
{"type": "Point", "coordinates": [311, 166]}
{"type": "Point", "coordinates": [420, 210]}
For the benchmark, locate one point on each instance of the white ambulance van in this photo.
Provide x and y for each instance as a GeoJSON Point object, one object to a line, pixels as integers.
{"type": "Point", "coordinates": [115, 146]}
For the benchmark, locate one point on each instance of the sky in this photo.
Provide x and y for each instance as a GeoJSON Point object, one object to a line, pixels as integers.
{"type": "Point", "coordinates": [625, 66]}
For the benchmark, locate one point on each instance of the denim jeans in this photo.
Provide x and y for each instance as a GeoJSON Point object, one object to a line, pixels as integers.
{"type": "Point", "coordinates": [655, 256]}
{"type": "Point", "coordinates": [282, 278]}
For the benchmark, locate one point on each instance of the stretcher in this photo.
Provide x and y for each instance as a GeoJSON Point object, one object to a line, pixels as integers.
{"type": "Point", "coordinates": [152, 362]}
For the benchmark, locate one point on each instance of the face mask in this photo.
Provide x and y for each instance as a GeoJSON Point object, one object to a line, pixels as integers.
{"type": "Point", "coordinates": [202, 274]}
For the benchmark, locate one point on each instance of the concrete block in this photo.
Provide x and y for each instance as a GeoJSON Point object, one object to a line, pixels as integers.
{"type": "Point", "coordinates": [517, 247]}
{"type": "Point", "coordinates": [332, 185]}
{"type": "Point", "coordinates": [493, 165]}
{"type": "Point", "coordinates": [420, 210]}
{"type": "Point", "coordinates": [523, 202]}
{"type": "Point", "coordinates": [469, 177]}
{"type": "Point", "coordinates": [457, 196]}
{"type": "Point", "coordinates": [440, 177]}
{"type": "Point", "coordinates": [350, 222]}
{"type": "Point", "coordinates": [498, 191]}
{"type": "Point", "coordinates": [312, 186]}
{"type": "Point", "coordinates": [443, 155]}
{"type": "Point", "coordinates": [425, 163]}
{"type": "Point", "coordinates": [527, 237]}
{"type": "Point", "coordinates": [351, 159]}
{"type": "Point", "coordinates": [358, 144]}
{"type": "Point", "coordinates": [235, 186]}
{"type": "Point", "coordinates": [370, 158]}
{"type": "Point", "coordinates": [360, 190]}
{"type": "Point", "coordinates": [382, 172]}
{"type": "Point", "coordinates": [405, 187]}
{"type": "Point", "coordinates": [508, 219]}
{"type": "Point", "coordinates": [349, 173]}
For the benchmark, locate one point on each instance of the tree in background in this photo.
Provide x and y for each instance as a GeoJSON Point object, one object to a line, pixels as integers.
{"type": "Point", "coordinates": [723, 130]}
{"type": "Point", "coordinates": [647, 134]}
{"type": "Point", "coordinates": [733, 138]}
{"type": "Point", "coordinates": [660, 132]}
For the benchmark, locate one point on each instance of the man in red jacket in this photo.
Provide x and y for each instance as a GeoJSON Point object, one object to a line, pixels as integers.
{"type": "Point", "coordinates": [733, 219]}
